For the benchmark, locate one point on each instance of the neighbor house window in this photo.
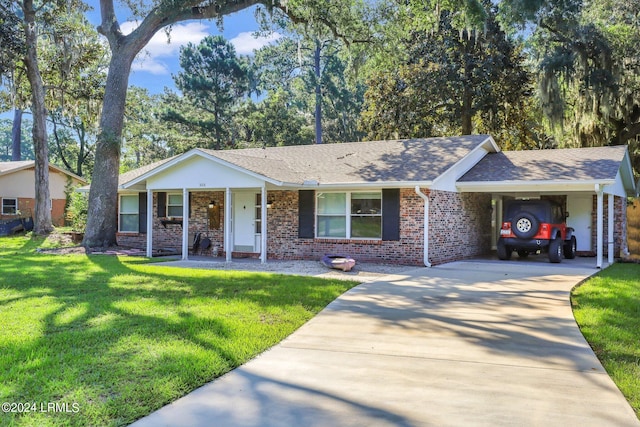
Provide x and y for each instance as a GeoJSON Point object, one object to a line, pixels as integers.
{"type": "Point", "coordinates": [129, 215]}
{"type": "Point", "coordinates": [174, 204]}
{"type": "Point", "coordinates": [349, 215]}
{"type": "Point", "coordinates": [9, 206]}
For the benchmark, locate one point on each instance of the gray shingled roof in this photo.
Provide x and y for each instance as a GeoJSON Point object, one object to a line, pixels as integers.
{"type": "Point", "coordinates": [8, 167]}
{"type": "Point", "coordinates": [14, 166]}
{"type": "Point", "coordinates": [572, 164]}
{"type": "Point", "coordinates": [417, 160]}
{"type": "Point", "coordinates": [135, 173]}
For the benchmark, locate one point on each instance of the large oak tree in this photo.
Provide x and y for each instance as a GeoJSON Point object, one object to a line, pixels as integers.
{"type": "Point", "coordinates": [102, 219]}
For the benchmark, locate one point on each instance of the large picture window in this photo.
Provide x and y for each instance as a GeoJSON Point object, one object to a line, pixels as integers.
{"type": "Point", "coordinates": [349, 215]}
{"type": "Point", "coordinates": [9, 206]}
{"type": "Point", "coordinates": [129, 215]}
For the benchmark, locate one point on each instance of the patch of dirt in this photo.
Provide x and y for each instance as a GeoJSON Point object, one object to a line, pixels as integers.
{"type": "Point", "coordinates": [60, 243]}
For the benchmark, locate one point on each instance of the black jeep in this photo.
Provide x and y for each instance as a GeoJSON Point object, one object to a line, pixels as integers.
{"type": "Point", "coordinates": [529, 226]}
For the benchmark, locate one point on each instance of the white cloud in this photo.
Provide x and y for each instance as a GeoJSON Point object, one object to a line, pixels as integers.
{"type": "Point", "coordinates": [153, 58]}
{"type": "Point", "coordinates": [245, 43]}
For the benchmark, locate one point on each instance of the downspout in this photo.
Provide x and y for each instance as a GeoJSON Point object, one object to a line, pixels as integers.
{"type": "Point", "coordinates": [426, 225]}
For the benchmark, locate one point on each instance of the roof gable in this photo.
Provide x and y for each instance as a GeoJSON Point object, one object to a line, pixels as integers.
{"type": "Point", "coordinates": [7, 168]}
{"type": "Point", "coordinates": [600, 163]}
{"type": "Point", "coordinates": [567, 166]}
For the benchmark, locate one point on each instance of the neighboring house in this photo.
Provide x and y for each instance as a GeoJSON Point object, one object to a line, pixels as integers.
{"type": "Point", "coordinates": [418, 201]}
{"type": "Point", "coordinates": [17, 190]}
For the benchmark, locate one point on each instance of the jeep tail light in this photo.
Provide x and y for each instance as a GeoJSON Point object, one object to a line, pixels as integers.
{"type": "Point", "coordinates": [506, 229]}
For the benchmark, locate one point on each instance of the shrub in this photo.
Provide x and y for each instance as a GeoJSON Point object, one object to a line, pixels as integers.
{"type": "Point", "coordinates": [77, 211]}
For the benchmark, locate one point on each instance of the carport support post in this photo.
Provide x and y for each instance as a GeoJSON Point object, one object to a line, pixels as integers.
{"type": "Point", "coordinates": [185, 224]}
{"type": "Point", "coordinates": [149, 223]}
{"type": "Point", "coordinates": [599, 226]}
{"type": "Point", "coordinates": [610, 200]}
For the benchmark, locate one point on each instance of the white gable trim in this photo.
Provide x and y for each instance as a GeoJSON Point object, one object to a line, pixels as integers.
{"type": "Point", "coordinates": [447, 180]}
{"type": "Point", "coordinates": [197, 153]}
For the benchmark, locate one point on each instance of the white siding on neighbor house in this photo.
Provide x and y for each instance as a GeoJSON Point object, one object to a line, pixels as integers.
{"type": "Point", "coordinates": [197, 172]}
{"type": "Point", "coordinates": [21, 184]}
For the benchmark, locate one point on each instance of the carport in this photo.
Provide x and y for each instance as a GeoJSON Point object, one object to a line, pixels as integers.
{"type": "Point", "coordinates": [577, 178]}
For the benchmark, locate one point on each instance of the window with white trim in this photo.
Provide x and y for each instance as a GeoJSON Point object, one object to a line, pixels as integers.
{"type": "Point", "coordinates": [349, 215]}
{"type": "Point", "coordinates": [9, 206]}
{"type": "Point", "coordinates": [129, 214]}
{"type": "Point", "coordinates": [174, 204]}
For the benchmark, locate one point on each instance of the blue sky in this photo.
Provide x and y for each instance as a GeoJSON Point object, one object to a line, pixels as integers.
{"type": "Point", "coordinates": [154, 66]}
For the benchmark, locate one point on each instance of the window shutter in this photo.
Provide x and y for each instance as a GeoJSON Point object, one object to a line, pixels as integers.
{"type": "Point", "coordinates": [189, 204]}
{"type": "Point", "coordinates": [142, 212]}
{"type": "Point", "coordinates": [391, 214]}
{"type": "Point", "coordinates": [306, 206]}
{"type": "Point", "coordinates": [162, 204]}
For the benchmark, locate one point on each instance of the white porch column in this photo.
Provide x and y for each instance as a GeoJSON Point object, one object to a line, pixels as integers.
{"type": "Point", "coordinates": [185, 224]}
{"type": "Point", "coordinates": [610, 245]}
{"type": "Point", "coordinates": [149, 223]}
{"type": "Point", "coordinates": [599, 226]}
{"type": "Point", "coordinates": [263, 226]}
{"type": "Point", "coordinates": [228, 244]}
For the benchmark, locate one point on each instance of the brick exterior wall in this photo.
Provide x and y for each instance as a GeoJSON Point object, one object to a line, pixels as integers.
{"type": "Point", "coordinates": [169, 236]}
{"type": "Point", "coordinates": [619, 225]}
{"type": "Point", "coordinates": [26, 206]}
{"type": "Point", "coordinates": [460, 228]}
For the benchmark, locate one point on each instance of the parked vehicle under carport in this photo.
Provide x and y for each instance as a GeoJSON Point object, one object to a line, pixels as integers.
{"type": "Point", "coordinates": [532, 226]}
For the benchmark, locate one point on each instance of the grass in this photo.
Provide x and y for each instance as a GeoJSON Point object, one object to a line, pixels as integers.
{"type": "Point", "coordinates": [111, 339]}
{"type": "Point", "coordinates": [607, 308]}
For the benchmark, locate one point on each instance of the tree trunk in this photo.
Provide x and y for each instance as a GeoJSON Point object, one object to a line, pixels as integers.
{"type": "Point", "coordinates": [316, 68]}
{"type": "Point", "coordinates": [466, 113]}
{"type": "Point", "coordinates": [42, 217]}
{"type": "Point", "coordinates": [16, 136]}
{"type": "Point", "coordinates": [102, 220]}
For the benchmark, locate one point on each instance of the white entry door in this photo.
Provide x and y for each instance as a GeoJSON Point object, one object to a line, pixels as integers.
{"type": "Point", "coordinates": [244, 221]}
{"type": "Point", "coordinates": [580, 208]}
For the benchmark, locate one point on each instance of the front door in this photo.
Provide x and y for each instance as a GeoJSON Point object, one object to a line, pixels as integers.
{"type": "Point", "coordinates": [244, 221]}
{"type": "Point", "coordinates": [580, 208]}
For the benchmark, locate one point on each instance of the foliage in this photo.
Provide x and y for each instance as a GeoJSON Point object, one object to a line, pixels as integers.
{"type": "Point", "coordinates": [77, 208]}
{"type": "Point", "coordinates": [6, 143]}
{"type": "Point", "coordinates": [451, 83]}
{"type": "Point", "coordinates": [606, 309]}
{"type": "Point", "coordinates": [288, 69]}
{"type": "Point", "coordinates": [12, 43]}
{"type": "Point", "coordinates": [145, 136]}
{"type": "Point", "coordinates": [273, 122]}
{"type": "Point", "coordinates": [588, 55]}
{"type": "Point", "coordinates": [121, 337]}
{"type": "Point", "coordinates": [212, 80]}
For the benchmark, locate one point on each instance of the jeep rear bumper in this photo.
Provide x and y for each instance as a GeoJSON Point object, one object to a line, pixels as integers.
{"type": "Point", "coordinates": [526, 244]}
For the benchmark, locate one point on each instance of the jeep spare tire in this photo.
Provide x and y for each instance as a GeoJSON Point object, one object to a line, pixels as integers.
{"type": "Point", "coordinates": [525, 225]}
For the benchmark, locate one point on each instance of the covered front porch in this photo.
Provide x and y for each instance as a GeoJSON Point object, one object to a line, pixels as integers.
{"type": "Point", "coordinates": [199, 195]}
{"type": "Point", "coordinates": [228, 222]}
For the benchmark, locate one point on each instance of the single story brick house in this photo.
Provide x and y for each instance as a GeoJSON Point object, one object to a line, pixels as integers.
{"type": "Point", "coordinates": [414, 202]}
{"type": "Point", "coordinates": [17, 190]}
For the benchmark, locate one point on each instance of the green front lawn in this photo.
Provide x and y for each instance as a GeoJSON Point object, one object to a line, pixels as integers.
{"type": "Point", "coordinates": [110, 339]}
{"type": "Point", "coordinates": [607, 308]}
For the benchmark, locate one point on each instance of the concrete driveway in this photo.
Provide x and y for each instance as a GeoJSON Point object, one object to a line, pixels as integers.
{"type": "Point", "coordinates": [480, 343]}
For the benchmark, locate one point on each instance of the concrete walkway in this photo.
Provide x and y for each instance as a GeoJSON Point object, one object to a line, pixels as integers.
{"type": "Point", "coordinates": [478, 343]}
